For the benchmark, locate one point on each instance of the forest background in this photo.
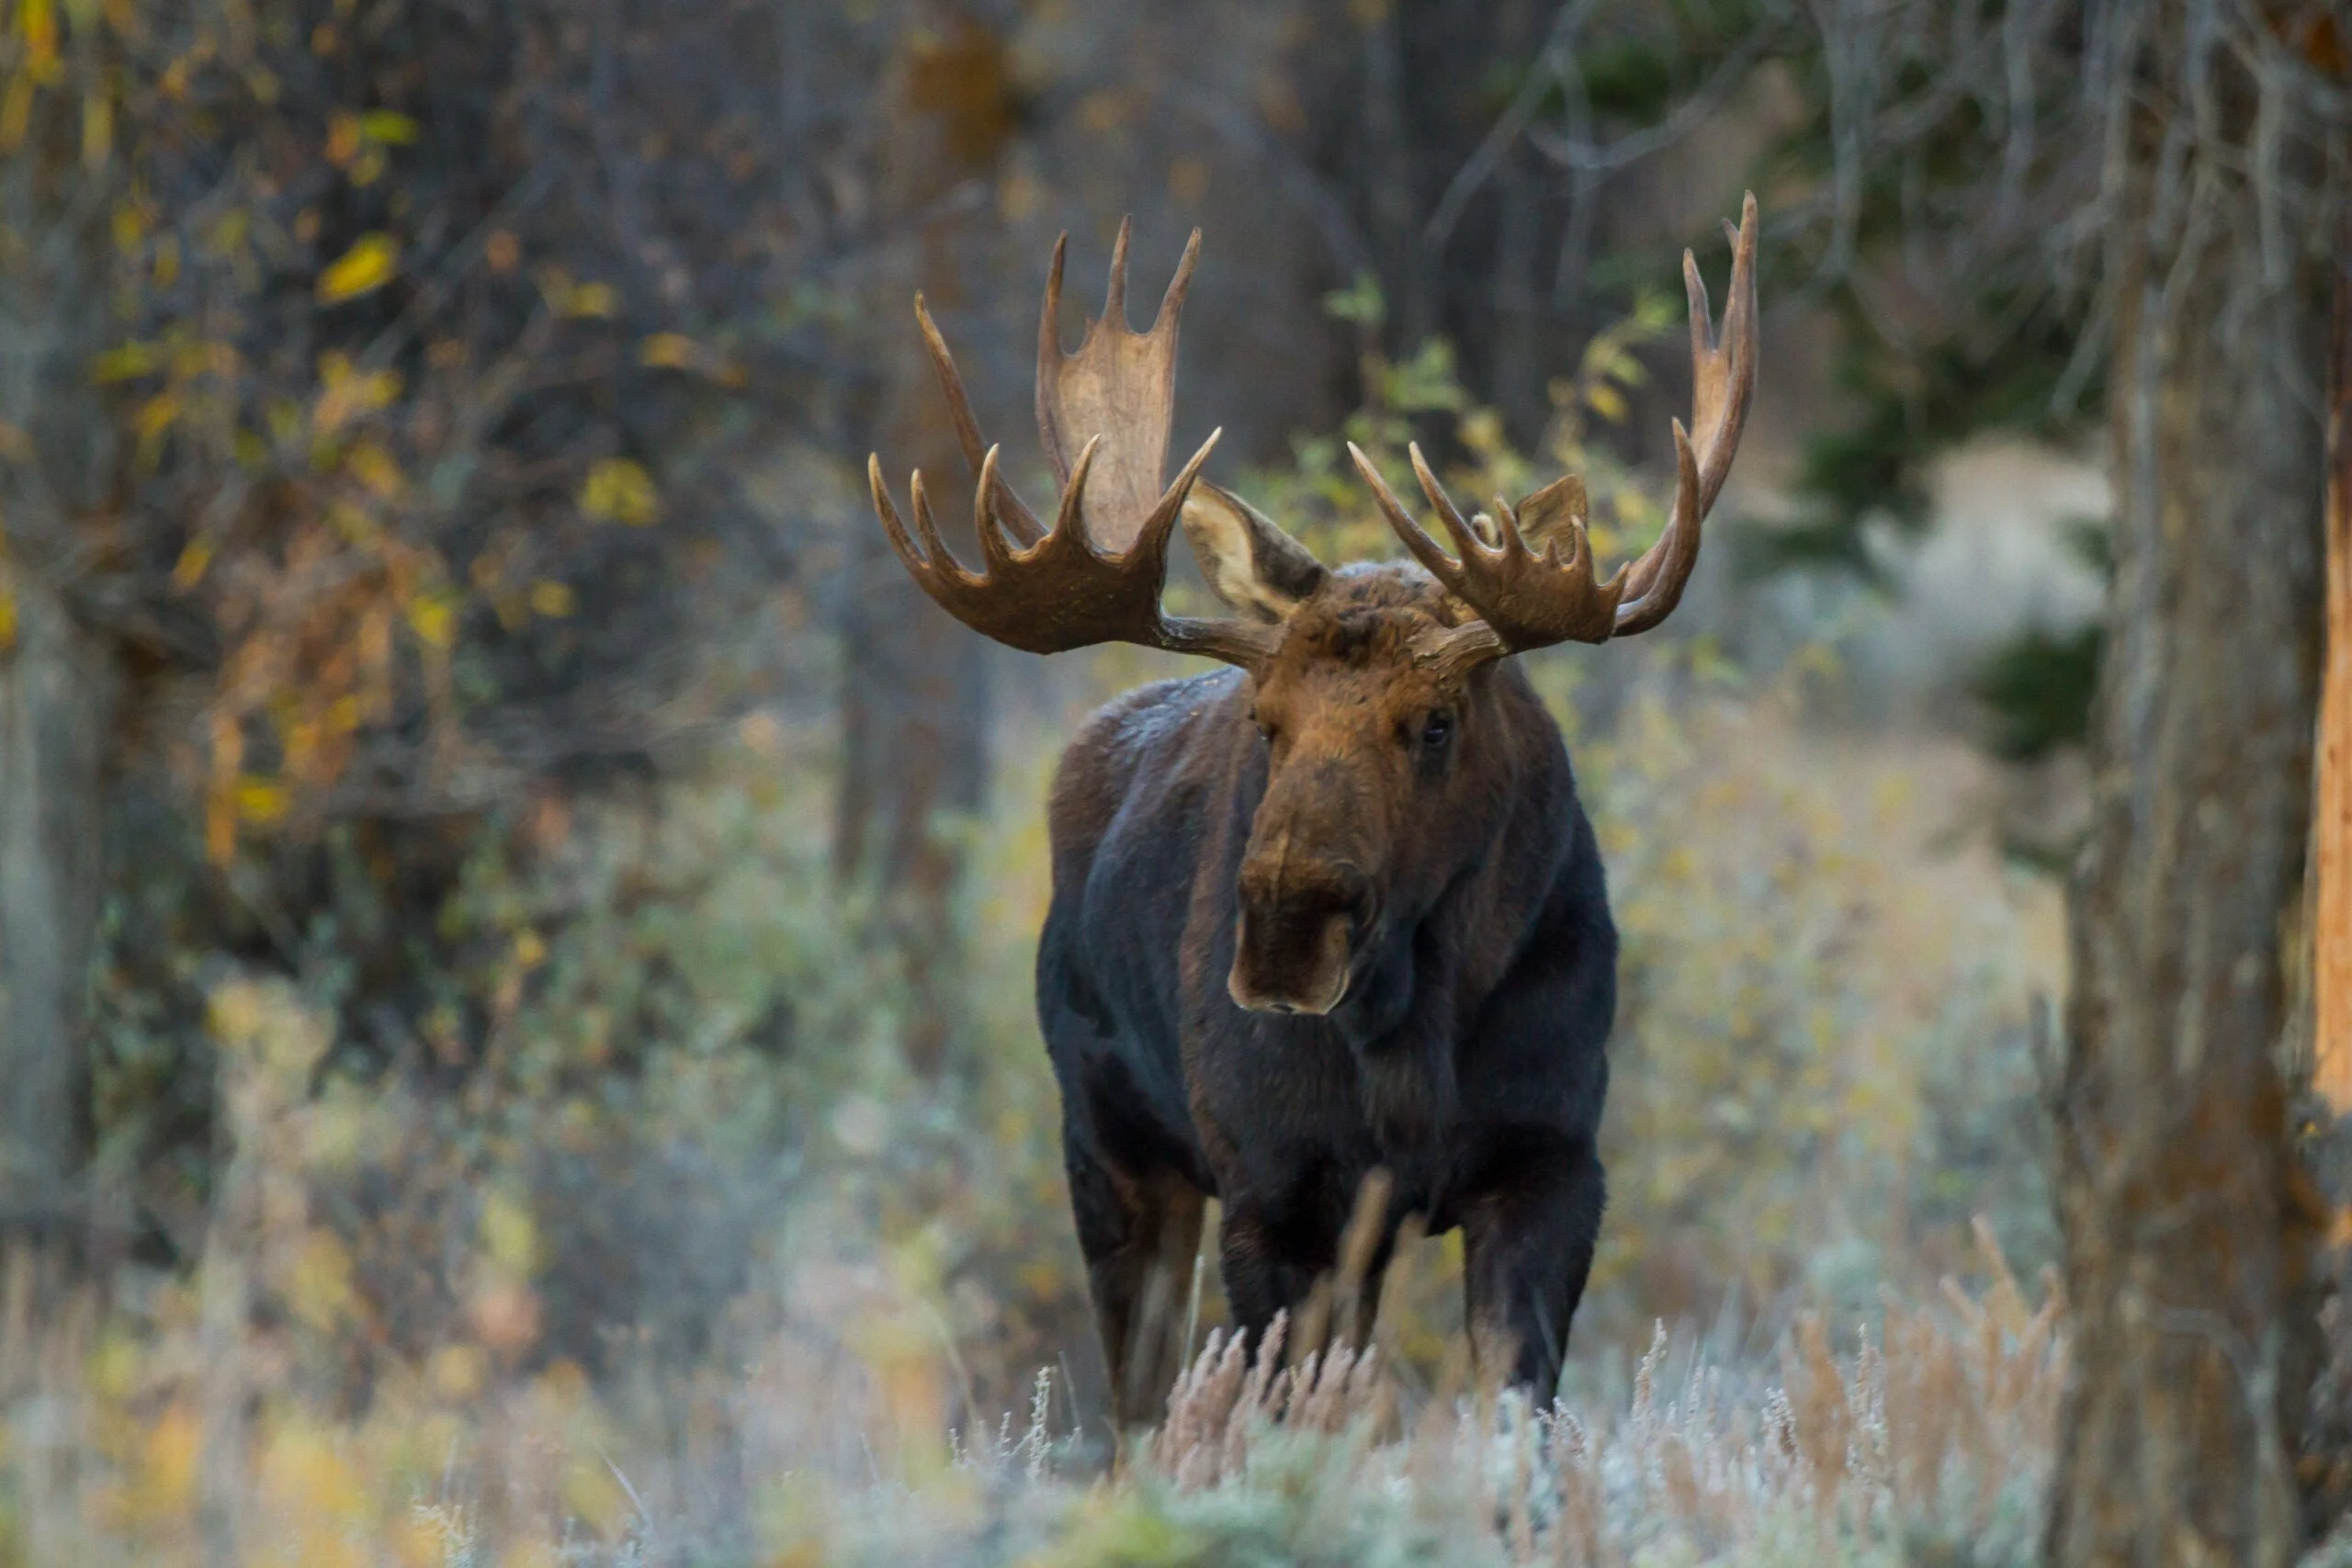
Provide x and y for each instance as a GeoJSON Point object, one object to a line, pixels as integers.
{"type": "Point", "coordinates": [515, 917]}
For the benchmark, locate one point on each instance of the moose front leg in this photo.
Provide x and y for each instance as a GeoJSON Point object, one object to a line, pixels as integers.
{"type": "Point", "coordinates": [1260, 1276]}
{"type": "Point", "coordinates": [1527, 1244]}
{"type": "Point", "coordinates": [1141, 1236]}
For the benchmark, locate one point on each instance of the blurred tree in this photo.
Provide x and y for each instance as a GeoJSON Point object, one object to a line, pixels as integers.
{"type": "Point", "coordinates": [58, 503]}
{"type": "Point", "coordinates": [914, 694]}
{"type": "Point", "coordinates": [2188, 1228]}
{"type": "Point", "coordinates": [55, 694]}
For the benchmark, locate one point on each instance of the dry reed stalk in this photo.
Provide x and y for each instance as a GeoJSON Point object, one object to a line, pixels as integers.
{"type": "Point", "coordinates": [1575, 1539]}
{"type": "Point", "coordinates": [1821, 1416]}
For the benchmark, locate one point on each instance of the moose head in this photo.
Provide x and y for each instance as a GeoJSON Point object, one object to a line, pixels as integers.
{"type": "Point", "coordinates": [1387, 771]}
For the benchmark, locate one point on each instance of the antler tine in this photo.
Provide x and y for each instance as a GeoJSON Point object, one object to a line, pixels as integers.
{"type": "Point", "coordinates": [1172, 303]}
{"type": "Point", "coordinates": [1023, 522]}
{"type": "Point", "coordinates": [942, 559]}
{"type": "Point", "coordinates": [1467, 542]}
{"type": "Point", "coordinates": [1069, 522]}
{"type": "Point", "coordinates": [1162, 524]}
{"type": "Point", "coordinates": [1114, 298]}
{"type": "Point", "coordinates": [1424, 549]}
{"type": "Point", "coordinates": [892, 527]}
{"type": "Point", "coordinates": [1677, 550]}
{"type": "Point", "coordinates": [994, 549]}
{"type": "Point", "coordinates": [1049, 357]}
{"type": "Point", "coordinates": [1722, 377]}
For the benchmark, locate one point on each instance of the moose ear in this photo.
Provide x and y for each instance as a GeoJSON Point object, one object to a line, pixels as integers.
{"type": "Point", "coordinates": [1249, 563]}
{"type": "Point", "coordinates": [1544, 516]}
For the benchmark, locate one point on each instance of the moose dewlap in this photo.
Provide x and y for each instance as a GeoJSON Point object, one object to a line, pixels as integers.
{"type": "Point", "coordinates": [1335, 911]}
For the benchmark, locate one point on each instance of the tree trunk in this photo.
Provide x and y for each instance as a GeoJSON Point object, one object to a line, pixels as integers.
{"type": "Point", "coordinates": [55, 701]}
{"type": "Point", "coordinates": [914, 696]}
{"type": "Point", "coordinates": [2189, 1243]}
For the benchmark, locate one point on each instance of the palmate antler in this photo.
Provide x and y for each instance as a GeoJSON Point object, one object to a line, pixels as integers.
{"type": "Point", "coordinates": [1526, 600]}
{"type": "Point", "coordinates": [1113, 402]}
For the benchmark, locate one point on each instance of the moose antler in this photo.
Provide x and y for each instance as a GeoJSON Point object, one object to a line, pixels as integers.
{"type": "Point", "coordinates": [1048, 591]}
{"type": "Point", "coordinates": [1526, 600]}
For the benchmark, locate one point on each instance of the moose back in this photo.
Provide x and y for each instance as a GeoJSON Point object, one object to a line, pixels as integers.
{"type": "Point", "coordinates": [1335, 909]}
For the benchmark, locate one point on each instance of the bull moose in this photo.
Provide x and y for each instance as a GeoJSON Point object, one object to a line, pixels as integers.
{"type": "Point", "coordinates": [1335, 909]}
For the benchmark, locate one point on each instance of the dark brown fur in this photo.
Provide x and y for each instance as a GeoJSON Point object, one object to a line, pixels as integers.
{"type": "Point", "coordinates": [1283, 839]}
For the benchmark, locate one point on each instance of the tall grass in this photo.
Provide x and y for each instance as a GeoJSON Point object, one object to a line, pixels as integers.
{"type": "Point", "coordinates": [1927, 1438]}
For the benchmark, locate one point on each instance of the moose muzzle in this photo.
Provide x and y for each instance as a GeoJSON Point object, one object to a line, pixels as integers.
{"type": "Point", "coordinates": [1296, 944]}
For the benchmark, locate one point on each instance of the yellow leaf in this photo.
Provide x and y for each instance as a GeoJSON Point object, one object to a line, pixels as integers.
{"type": "Point", "coordinates": [553, 599]}
{"type": "Point", "coordinates": [37, 24]}
{"type": "Point", "coordinates": [174, 1445]}
{"type": "Point", "coordinates": [7, 614]}
{"type": "Point", "coordinates": [670, 351]}
{"type": "Point", "coordinates": [127, 363]}
{"type": "Point", "coordinates": [352, 525]}
{"type": "Point", "coordinates": [389, 127]}
{"type": "Point", "coordinates": [349, 393]}
{"type": "Point", "coordinates": [228, 234]}
{"type": "Point", "coordinates": [153, 422]}
{"type": "Point", "coordinates": [619, 491]}
{"type": "Point", "coordinates": [591, 300]}
{"type": "Point", "coordinates": [189, 569]}
{"type": "Point", "coordinates": [434, 617]}
{"type": "Point", "coordinates": [260, 800]}
{"type": "Point", "coordinates": [369, 265]}
{"type": "Point", "coordinates": [509, 1234]}
{"type": "Point", "coordinates": [375, 467]}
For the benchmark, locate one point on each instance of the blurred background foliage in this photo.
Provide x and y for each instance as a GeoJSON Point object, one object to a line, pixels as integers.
{"type": "Point", "coordinates": [555, 909]}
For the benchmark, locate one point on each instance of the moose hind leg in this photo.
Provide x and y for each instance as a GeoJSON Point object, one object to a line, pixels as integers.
{"type": "Point", "coordinates": [1527, 1251]}
{"type": "Point", "coordinates": [1141, 1236]}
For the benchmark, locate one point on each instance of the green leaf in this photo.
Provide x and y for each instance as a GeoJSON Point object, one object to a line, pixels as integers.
{"type": "Point", "coordinates": [1361, 303]}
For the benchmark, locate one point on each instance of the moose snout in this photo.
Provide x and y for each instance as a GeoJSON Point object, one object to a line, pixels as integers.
{"type": "Point", "coordinates": [1297, 936]}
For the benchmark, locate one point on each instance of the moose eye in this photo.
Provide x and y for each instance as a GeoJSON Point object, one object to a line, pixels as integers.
{"type": "Point", "coordinates": [1437, 729]}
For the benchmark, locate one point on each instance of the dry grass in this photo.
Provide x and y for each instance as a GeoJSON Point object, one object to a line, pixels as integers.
{"type": "Point", "coordinates": [1930, 1435]}
{"type": "Point", "coordinates": [1935, 1431]}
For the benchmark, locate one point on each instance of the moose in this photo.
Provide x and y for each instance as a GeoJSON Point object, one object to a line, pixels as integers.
{"type": "Point", "coordinates": [1333, 914]}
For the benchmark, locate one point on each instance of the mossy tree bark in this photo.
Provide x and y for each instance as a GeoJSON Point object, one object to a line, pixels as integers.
{"type": "Point", "coordinates": [2188, 1239]}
